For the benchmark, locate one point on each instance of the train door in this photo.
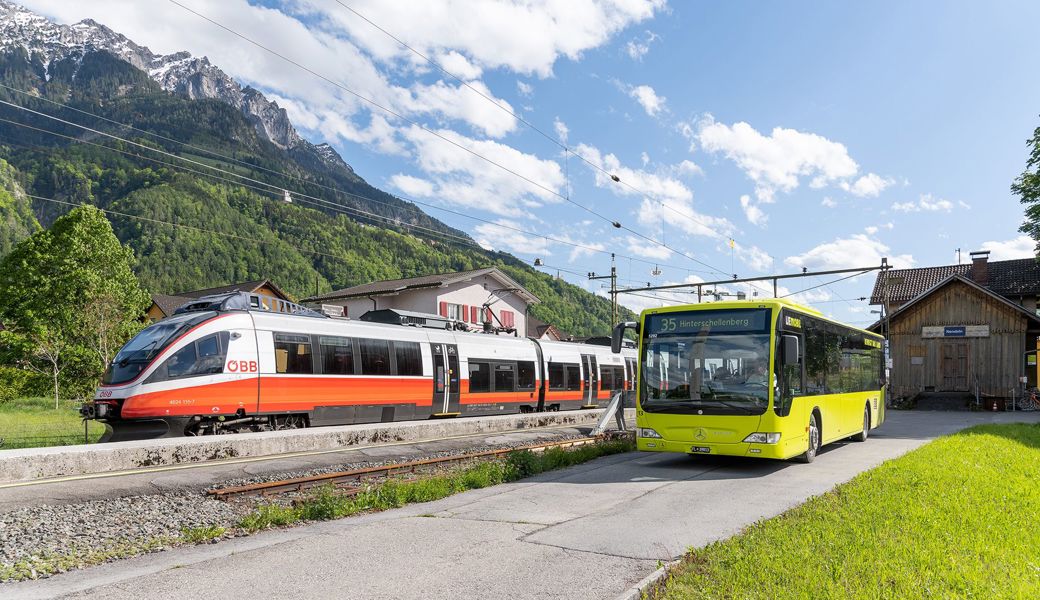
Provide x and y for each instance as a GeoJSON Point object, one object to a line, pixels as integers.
{"type": "Point", "coordinates": [445, 380]}
{"type": "Point", "coordinates": [591, 380]}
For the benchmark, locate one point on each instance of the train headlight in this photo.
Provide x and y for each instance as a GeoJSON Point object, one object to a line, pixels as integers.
{"type": "Point", "coordinates": [762, 438]}
{"type": "Point", "coordinates": [646, 432]}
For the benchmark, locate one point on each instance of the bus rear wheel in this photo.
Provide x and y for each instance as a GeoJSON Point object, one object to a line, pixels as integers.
{"type": "Point", "coordinates": [862, 436]}
{"type": "Point", "coordinates": [814, 441]}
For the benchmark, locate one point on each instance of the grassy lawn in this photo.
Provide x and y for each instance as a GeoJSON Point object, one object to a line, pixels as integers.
{"type": "Point", "coordinates": [957, 518]}
{"type": "Point", "coordinates": [34, 422]}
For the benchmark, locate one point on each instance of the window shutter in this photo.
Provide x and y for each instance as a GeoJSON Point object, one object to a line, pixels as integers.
{"type": "Point", "coordinates": [507, 318]}
{"type": "Point", "coordinates": [465, 313]}
{"type": "Point", "coordinates": [487, 314]}
{"type": "Point", "coordinates": [473, 314]}
{"type": "Point", "coordinates": [444, 309]}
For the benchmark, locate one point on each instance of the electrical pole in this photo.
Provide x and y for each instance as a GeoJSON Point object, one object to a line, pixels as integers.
{"type": "Point", "coordinates": [614, 317]}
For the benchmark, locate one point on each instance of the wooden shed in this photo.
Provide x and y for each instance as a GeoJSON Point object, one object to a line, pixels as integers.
{"type": "Point", "coordinates": [960, 337]}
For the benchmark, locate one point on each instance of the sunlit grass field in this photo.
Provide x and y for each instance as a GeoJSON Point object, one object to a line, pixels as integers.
{"type": "Point", "coordinates": [34, 422]}
{"type": "Point", "coordinates": [956, 518]}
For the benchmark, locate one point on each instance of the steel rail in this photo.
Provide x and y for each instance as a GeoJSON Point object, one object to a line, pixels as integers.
{"type": "Point", "coordinates": [357, 475]}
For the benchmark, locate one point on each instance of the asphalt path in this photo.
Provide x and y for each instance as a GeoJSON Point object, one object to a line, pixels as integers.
{"type": "Point", "coordinates": [591, 531]}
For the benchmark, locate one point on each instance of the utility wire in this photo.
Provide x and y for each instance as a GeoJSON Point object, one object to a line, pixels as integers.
{"type": "Point", "coordinates": [278, 190]}
{"type": "Point", "coordinates": [566, 198]}
{"type": "Point", "coordinates": [826, 283]}
{"type": "Point", "coordinates": [563, 145]}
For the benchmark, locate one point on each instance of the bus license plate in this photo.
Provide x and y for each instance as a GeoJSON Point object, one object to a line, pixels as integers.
{"type": "Point", "coordinates": [702, 449]}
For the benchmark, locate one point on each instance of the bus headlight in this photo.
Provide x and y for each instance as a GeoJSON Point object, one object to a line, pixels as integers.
{"type": "Point", "coordinates": [762, 438]}
{"type": "Point", "coordinates": [646, 432]}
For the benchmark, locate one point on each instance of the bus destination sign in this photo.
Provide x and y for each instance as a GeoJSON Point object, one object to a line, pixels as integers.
{"type": "Point", "coordinates": [709, 321]}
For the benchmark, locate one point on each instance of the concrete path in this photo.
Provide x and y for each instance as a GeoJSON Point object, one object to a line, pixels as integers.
{"type": "Point", "coordinates": [587, 532]}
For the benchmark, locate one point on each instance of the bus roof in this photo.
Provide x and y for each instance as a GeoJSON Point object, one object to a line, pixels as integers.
{"type": "Point", "coordinates": [756, 303]}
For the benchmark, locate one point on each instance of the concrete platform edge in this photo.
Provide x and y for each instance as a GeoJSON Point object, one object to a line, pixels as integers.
{"type": "Point", "coordinates": [64, 461]}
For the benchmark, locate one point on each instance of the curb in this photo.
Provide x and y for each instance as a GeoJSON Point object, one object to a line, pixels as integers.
{"type": "Point", "coordinates": [636, 591]}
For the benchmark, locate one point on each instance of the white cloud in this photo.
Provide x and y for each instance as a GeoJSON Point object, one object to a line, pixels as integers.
{"type": "Point", "coordinates": [858, 250]}
{"type": "Point", "coordinates": [638, 48]}
{"type": "Point", "coordinates": [644, 158]}
{"type": "Point", "coordinates": [777, 162]}
{"type": "Point", "coordinates": [561, 129]}
{"type": "Point", "coordinates": [827, 202]}
{"type": "Point", "coordinates": [1022, 246]}
{"type": "Point", "coordinates": [497, 236]}
{"type": "Point", "coordinates": [524, 89]}
{"type": "Point", "coordinates": [647, 97]}
{"type": "Point", "coordinates": [667, 200]}
{"type": "Point", "coordinates": [641, 247]}
{"type": "Point", "coordinates": [868, 186]}
{"type": "Point", "coordinates": [412, 186]}
{"type": "Point", "coordinates": [689, 168]}
{"type": "Point", "coordinates": [753, 213]}
{"type": "Point", "coordinates": [871, 230]}
{"type": "Point", "coordinates": [754, 257]}
{"type": "Point", "coordinates": [467, 180]}
{"type": "Point", "coordinates": [925, 203]}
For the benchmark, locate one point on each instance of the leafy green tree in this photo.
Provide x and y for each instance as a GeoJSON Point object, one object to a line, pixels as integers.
{"type": "Point", "coordinates": [69, 299]}
{"type": "Point", "coordinates": [1027, 187]}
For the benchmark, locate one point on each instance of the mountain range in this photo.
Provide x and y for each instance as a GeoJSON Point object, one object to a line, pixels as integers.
{"type": "Point", "coordinates": [191, 226]}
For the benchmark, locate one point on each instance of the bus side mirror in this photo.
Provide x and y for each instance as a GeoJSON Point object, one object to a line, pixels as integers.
{"type": "Point", "coordinates": [618, 335]}
{"type": "Point", "coordinates": [789, 349]}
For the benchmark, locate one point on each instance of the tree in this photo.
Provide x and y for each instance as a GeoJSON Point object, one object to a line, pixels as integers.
{"type": "Point", "coordinates": [1027, 187]}
{"type": "Point", "coordinates": [68, 299]}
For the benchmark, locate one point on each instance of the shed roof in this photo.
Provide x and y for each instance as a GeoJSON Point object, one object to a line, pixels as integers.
{"type": "Point", "coordinates": [961, 279]}
{"type": "Point", "coordinates": [1018, 277]}
{"type": "Point", "coordinates": [396, 286]}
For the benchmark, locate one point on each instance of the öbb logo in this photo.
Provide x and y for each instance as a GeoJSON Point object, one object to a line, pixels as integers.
{"type": "Point", "coordinates": [241, 366]}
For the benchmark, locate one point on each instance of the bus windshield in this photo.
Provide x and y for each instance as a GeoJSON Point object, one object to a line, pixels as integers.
{"type": "Point", "coordinates": [711, 362]}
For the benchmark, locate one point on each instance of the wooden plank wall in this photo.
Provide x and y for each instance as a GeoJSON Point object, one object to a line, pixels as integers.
{"type": "Point", "coordinates": [997, 360]}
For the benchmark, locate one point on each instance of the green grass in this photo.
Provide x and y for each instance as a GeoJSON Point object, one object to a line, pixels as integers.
{"type": "Point", "coordinates": [34, 422]}
{"type": "Point", "coordinates": [956, 518]}
{"type": "Point", "coordinates": [327, 503]}
{"type": "Point", "coordinates": [205, 533]}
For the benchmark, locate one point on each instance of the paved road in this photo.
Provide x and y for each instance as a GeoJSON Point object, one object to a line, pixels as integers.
{"type": "Point", "coordinates": [587, 532]}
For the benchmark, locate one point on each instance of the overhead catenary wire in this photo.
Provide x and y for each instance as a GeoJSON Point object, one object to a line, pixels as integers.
{"type": "Point", "coordinates": [277, 190]}
{"type": "Point", "coordinates": [826, 283]}
{"type": "Point", "coordinates": [463, 147]}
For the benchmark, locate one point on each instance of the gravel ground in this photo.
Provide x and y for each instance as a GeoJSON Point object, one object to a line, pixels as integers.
{"type": "Point", "coordinates": [136, 524]}
{"type": "Point", "coordinates": [364, 464]}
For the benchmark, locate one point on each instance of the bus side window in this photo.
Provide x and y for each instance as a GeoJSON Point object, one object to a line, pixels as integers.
{"type": "Point", "coordinates": [791, 385]}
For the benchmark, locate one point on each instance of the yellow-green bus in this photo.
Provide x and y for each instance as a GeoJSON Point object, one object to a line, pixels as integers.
{"type": "Point", "coordinates": [765, 378]}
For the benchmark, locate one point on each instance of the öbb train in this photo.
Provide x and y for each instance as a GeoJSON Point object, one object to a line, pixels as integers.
{"type": "Point", "coordinates": [234, 363]}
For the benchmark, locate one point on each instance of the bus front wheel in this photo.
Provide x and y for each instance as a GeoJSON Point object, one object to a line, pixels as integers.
{"type": "Point", "coordinates": [814, 441]}
{"type": "Point", "coordinates": [862, 436]}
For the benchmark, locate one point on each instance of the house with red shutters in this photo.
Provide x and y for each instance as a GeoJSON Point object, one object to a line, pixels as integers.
{"type": "Point", "coordinates": [467, 296]}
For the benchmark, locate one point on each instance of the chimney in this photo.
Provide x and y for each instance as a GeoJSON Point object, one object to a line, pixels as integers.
{"type": "Point", "coordinates": [980, 267]}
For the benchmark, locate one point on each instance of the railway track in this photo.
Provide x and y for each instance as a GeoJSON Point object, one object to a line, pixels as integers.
{"type": "Point", "coordinates": [356, 476]}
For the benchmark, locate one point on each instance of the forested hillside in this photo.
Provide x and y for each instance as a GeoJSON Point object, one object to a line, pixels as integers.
{"type": "Point", "coordinates": [195, 230]}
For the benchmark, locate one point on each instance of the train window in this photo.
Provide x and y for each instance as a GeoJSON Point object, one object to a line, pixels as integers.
{"type": "Point", "coordinates": [556, 377]}
{"type": "Point", "coordinates": [337, 355]}
{"type": "Point", "coordinates": [409, 358]}
{"type": "Point", "coordinates": [375, 357]}
{"type": "Point", "coordinates": [202, 357]}
{"type": "Point", "coordinates": [479, 377]}
{"type": "Point", "coordinates": [292, 353]}
{"type": "Point", "coordinates": [606, 378]}
{"type": "Point", "coordinates": [573, 377]}
{"type": "Point", "coordinates": [504, 378]}
{"type": "Point", "coordinates": [525, 375]}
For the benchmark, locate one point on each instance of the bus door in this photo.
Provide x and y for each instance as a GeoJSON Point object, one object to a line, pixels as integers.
{"type": "Point", "coordinates": [445, 380]}
{"type": "Point", "coordinates": [591, 380]}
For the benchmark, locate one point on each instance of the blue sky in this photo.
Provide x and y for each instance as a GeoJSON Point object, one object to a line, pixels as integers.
{"type": "Point", "coordinates": [814, 134]}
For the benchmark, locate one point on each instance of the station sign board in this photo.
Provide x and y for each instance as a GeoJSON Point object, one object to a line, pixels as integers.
{"type": "Point", "coordinates": [951, 331]}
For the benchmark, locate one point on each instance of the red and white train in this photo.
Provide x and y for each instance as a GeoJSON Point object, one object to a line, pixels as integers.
{"type": "Point", "coordinates": [232, 363]}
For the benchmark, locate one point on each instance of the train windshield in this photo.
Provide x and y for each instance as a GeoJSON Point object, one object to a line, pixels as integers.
{"type": "Point", "coordinates": [711, 362]}
{"type": "Point", "coordinates": [145, 346]}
